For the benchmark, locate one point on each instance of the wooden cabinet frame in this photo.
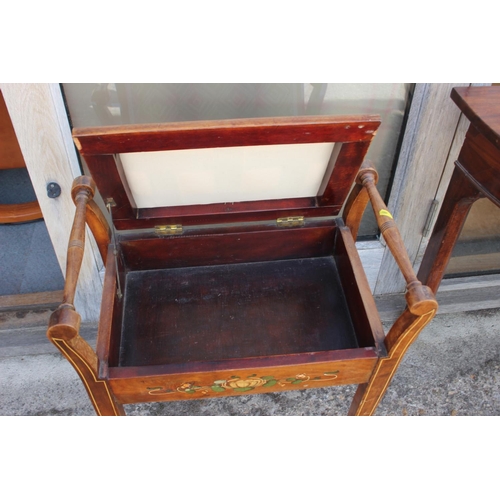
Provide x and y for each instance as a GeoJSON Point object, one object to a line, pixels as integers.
{"type": "Point", "coordinates": [433, 138]}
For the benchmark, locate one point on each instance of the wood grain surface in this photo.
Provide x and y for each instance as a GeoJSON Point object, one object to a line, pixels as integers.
{"type": "Point", "coordinates": [480, 106]}
{"type": "Point", "coordinates": [224, 133]}
{"type": "Point", "coordinates": [228, 248]}
{"type": "Point", "coordinates": [211, 313]}
{"type": "Point", "coordinates": [41, 124]}
{"type": "Point", "coordinates": [99, 146]}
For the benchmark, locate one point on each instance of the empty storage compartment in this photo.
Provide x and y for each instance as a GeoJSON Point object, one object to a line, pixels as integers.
{"type": "Point", "coordinates": [210, 313]}
{"type": "Point", "coordinates": [230, 303]}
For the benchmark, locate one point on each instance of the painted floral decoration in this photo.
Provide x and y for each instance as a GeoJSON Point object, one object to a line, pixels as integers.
{"type": "Point", "coordinates": [238, 384]}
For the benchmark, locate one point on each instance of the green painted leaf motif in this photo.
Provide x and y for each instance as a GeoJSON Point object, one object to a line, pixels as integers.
{"type": "Point", "coordinates": [190, 391]}
{"type": "Point", "coordinates": [291, 379]}
{"type": "Point", "coordinates": [270, 382]}
{"type": "Point", "coordinates": [217, 388]}
{"type": "Point", "coordinates": [332, 373]}
{"type": "Point", "coordinates": [267, 377]}
{"type": "Point", "coordinates": [243, 389]}
{"type": "Point", "coordinates": [219, 382]}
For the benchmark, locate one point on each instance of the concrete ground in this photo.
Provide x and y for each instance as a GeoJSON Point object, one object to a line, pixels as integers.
{"type": "Point", "coordinates": [452, 369]}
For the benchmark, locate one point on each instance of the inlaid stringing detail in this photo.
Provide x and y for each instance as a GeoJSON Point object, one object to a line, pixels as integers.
{"type": "Point", "coordinates": [403, 342]}
{"type": "Point", "coordinates": [60, 343]}
{"type": "Point", "coordinates": [238, 384]}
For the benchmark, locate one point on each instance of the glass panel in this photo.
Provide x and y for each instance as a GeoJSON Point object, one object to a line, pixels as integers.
{"type": "Point", "coordinates": [478, 248]}
{"type": "Point", "coordinates": [124, 103]}
{"type": "Point", "coordinates": [218, 175]}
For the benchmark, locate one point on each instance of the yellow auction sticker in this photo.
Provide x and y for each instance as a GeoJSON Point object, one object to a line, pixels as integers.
{"type": "Point", "coordinates": [386, 213]}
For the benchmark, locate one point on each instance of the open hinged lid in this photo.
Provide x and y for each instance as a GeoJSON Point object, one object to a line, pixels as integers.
{"type": "Point", "coordinates": [226, 171]}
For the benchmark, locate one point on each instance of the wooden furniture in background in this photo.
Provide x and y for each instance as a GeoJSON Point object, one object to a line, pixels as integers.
{"type": "Point", "coordinates": [476, 175]}
{"type": "Point", "coordinates": [236, 297]}
{"type": "Point", "coordinates": [11, 157]}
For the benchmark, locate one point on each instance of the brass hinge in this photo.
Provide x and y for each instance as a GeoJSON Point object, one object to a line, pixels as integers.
{"type": "Point", "coordinates": [168, 230]}
{"type": "Point", "coordinates": [296, 221]}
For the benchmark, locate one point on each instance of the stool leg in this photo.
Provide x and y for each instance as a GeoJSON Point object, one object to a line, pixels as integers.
{"type": "Point", "coordinates": [84, 360]}
{"type": "Point", "coordinates": [404, 331]}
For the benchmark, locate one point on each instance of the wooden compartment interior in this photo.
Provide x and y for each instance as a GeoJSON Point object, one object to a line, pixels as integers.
{"type": "Point", "coordinates": [229, 311]}
{"type": "Point", "coordinates": [245, 295]}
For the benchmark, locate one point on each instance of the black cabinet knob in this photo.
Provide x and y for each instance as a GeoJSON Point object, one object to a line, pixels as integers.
{"type": "Point", "coordinates": [53, 190]}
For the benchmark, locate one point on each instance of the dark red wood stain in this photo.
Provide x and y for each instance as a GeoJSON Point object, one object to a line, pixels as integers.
{"type": "Point", "coordinates": [364, 316]}
{"type": "Point", "coordinates": [100, 146]}
{"type": "Point", "coordinates": [211, 249]}
{"type": "Point", "coordinates": [225, 133]}
{"type": "Point", "coordinates": [234, 311]}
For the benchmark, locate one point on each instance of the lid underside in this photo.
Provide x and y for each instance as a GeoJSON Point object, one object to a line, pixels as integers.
{"type": "Point", "coordinates": [226, 171]}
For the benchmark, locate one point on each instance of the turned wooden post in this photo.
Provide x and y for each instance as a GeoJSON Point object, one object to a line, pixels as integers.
{"type": "Point", "coordinates": [64, 324]}
{"type": "Point", "coordinates": [420, 298]}
{"type": "Point", "coordinates": [356, 204]}
{"type": "Point", "coordinates": [82, 192]}
{"type": "Point", "coordinates": [422, 304]}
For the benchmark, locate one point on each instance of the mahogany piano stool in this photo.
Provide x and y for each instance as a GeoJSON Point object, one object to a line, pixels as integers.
{"type": "Point", "coordinates": [233, 294]}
